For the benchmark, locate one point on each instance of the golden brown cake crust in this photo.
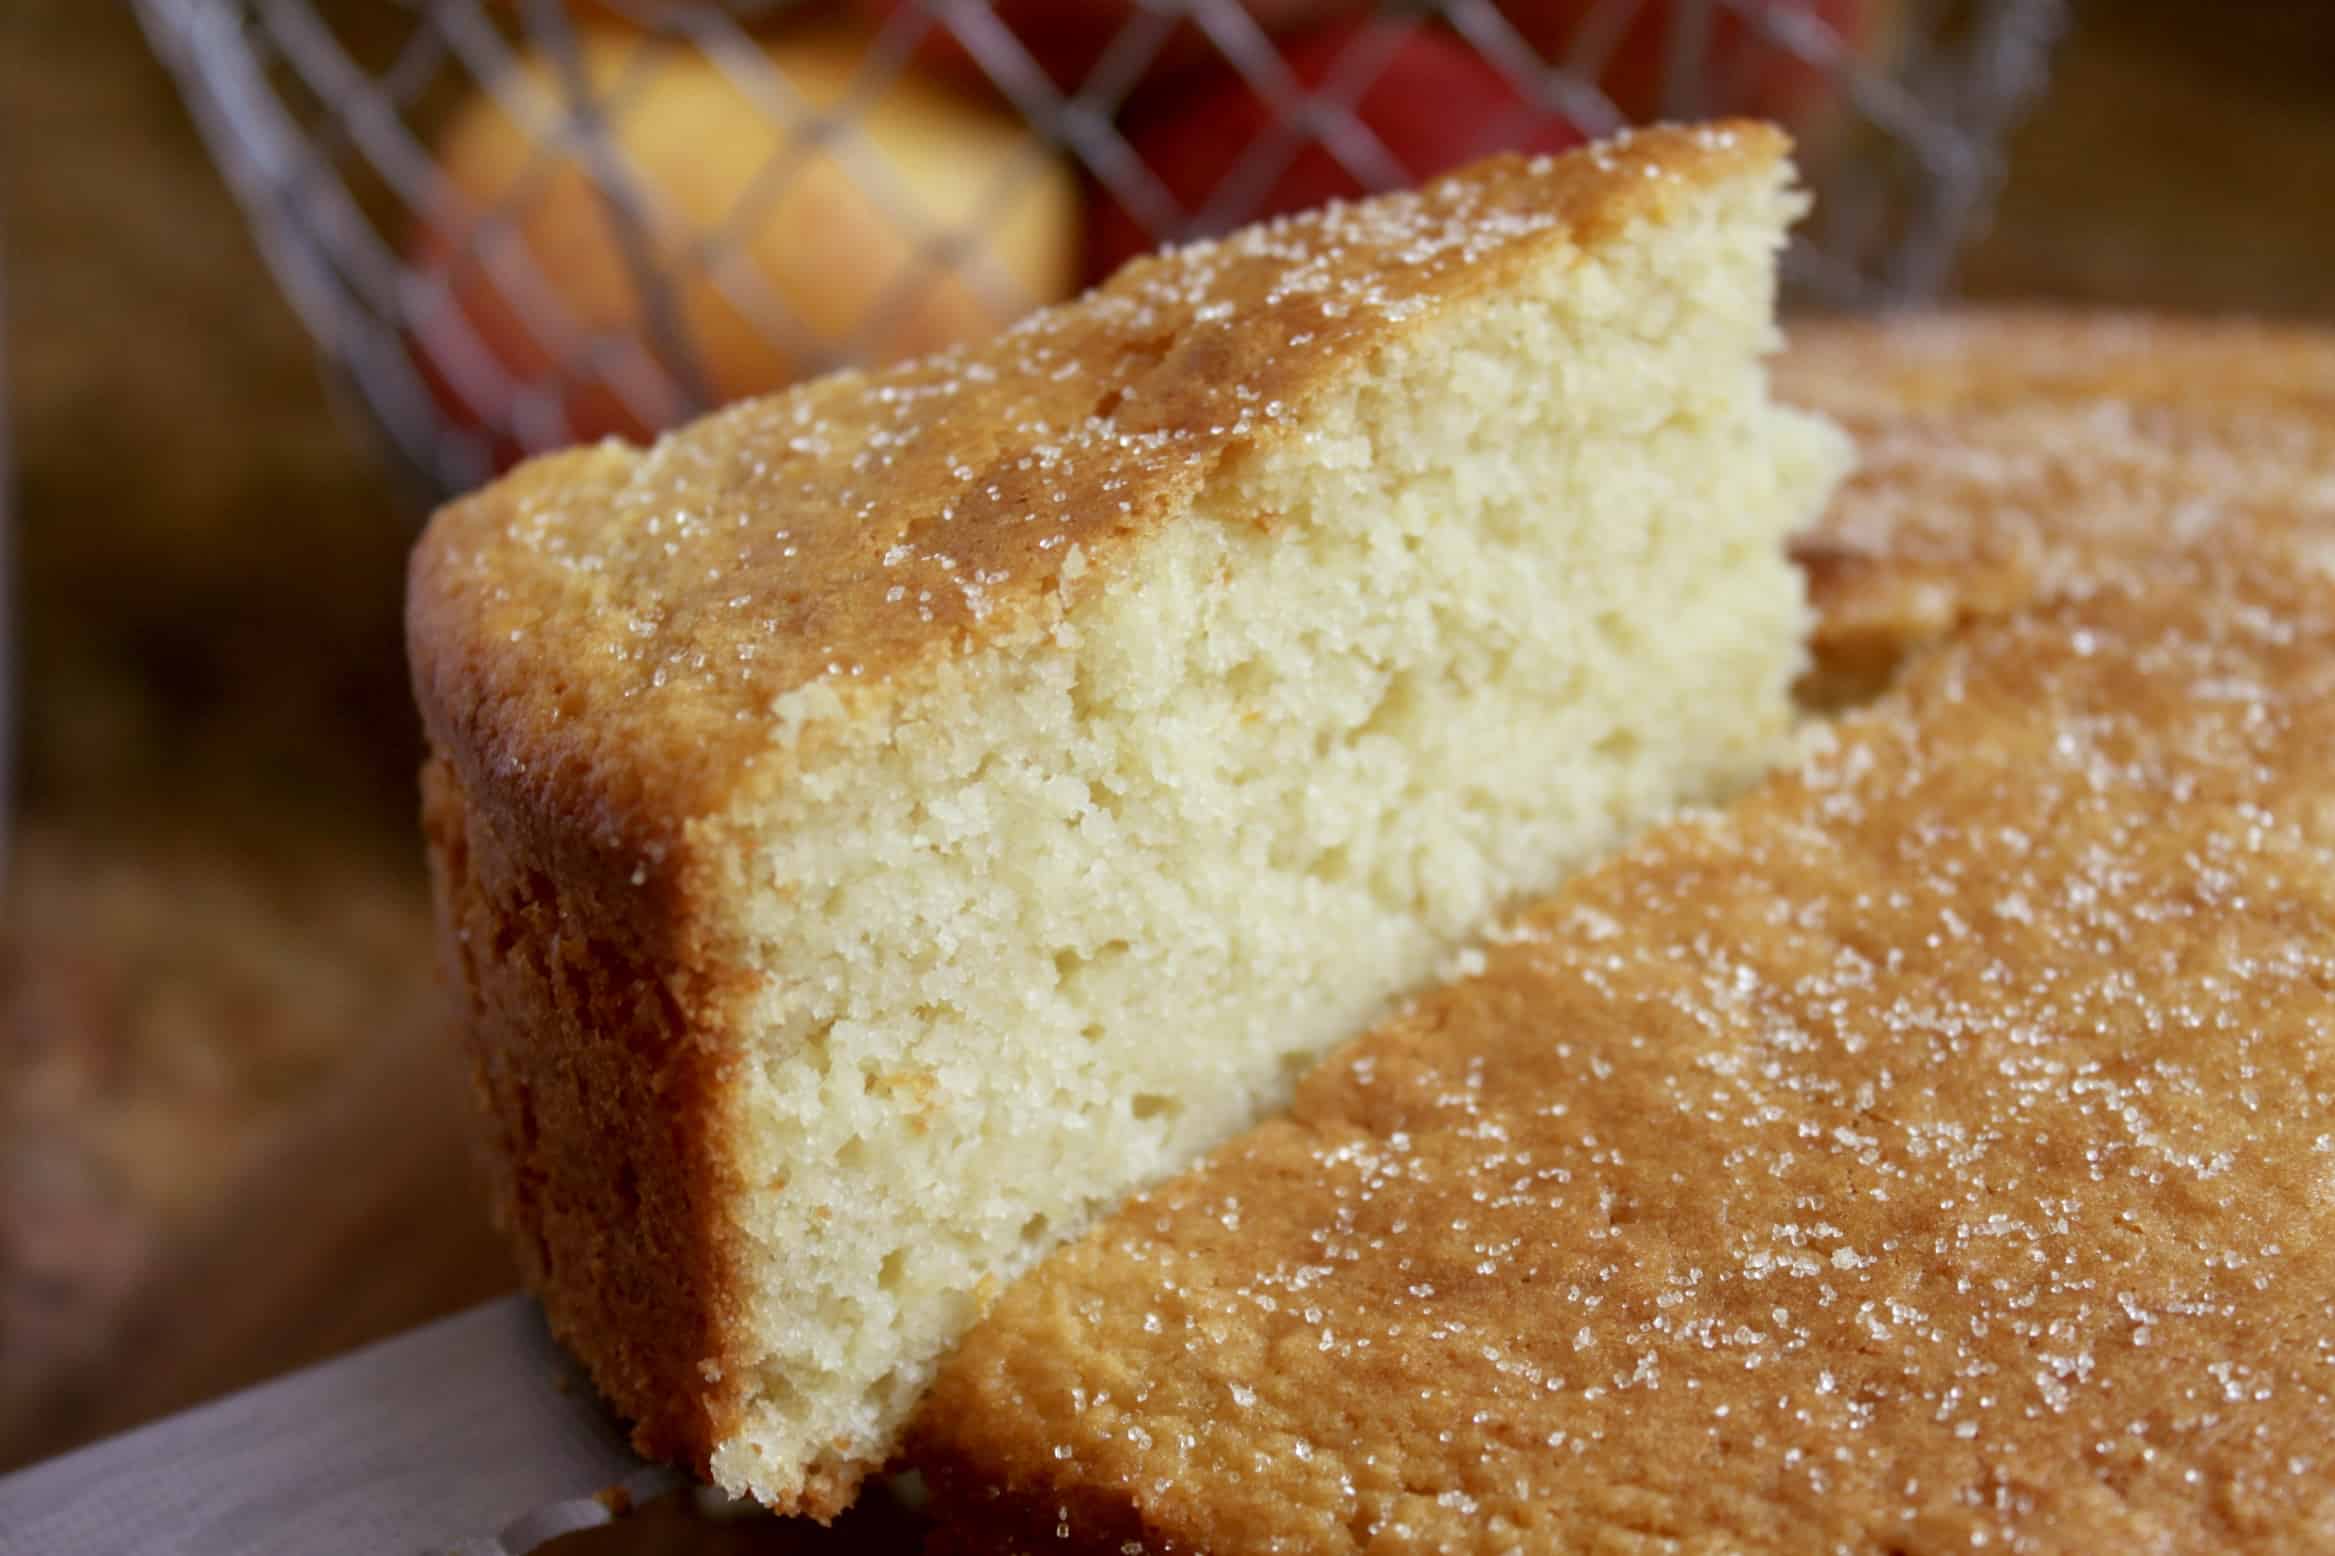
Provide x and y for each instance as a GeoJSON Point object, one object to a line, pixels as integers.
{"type": "Point", "coordinates": [586, 1017]}
{"type": "Point", "coordinates": [603, 634]}
{"type": "Point", "coordinates": [2006, 452]}
{"type": "Point", "coordinates": [1928, 1152]}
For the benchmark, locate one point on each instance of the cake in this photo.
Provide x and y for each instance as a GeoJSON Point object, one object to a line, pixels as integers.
{"type": "Point", "coordinates": [1928, 1153]}
{"type": "Point", "coordinates": [2006, 453]}
{"type": "Point", "coordinates": [879, 825]}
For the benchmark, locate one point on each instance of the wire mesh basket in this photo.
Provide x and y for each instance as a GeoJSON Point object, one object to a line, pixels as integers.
{"type": "Point", "coordinates": [513, 224]}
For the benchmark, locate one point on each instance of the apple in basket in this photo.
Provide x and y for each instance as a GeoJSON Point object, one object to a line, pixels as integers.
{"type": "Point", "coordinates": [1067, 39]}
{"type": "Point", "coordinates": [1743, 61]}
{"type": "Point", "coordinates": [1367, 103]}
{"type": "Point", "coordinates": [802, 206]}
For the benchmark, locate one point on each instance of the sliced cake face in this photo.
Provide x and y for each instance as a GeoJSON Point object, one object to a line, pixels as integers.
{"type": "Point", "coordinates": [913, 812]}
{"type": "Point", "coordinates": [1928, 1153]}
{"type": "Point", "coordinates": [1080, 908]}
{"type": "Point", "coordinates": [2005, 454]}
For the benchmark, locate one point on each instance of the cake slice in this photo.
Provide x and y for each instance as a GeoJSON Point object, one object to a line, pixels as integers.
{"type": "Point", "coordinates": [879, 825]}
{"type": "Point", "coordinates": [2008, 453]}
{"type": "Point", "coordinates": [1928, 1154]}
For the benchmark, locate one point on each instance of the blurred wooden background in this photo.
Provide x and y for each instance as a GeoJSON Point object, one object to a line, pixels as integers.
{"type": "Point", "coordinates": [232, 1139]}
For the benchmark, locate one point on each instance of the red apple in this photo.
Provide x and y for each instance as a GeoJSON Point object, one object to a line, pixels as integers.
{"type": "Point", "coordinates": [1067, 39]}
{"type": "Point", "coordinates": [1743, 67]}
{"type": "Point", "coordinates": [1431, 103]}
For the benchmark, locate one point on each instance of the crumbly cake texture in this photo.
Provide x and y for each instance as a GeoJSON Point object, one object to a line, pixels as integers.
{"type": "Point", "coordinates": [2005, 453]}
{"type": "Point", "coordinates": [1927, 1154]}
{"type": "Point", "coordinates": [881, 824]}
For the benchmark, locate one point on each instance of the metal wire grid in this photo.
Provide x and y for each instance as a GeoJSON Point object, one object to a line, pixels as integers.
{"type": "Point", "coordinates": [320, 114]}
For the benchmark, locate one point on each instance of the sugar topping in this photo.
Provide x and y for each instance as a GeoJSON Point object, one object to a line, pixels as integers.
{"type": "Point", "coordinates": [834, 532]}
{"type": "Point", "coordinates": [2008, 456]}
{"type": "Point", "coordinates": [1929, 1153]}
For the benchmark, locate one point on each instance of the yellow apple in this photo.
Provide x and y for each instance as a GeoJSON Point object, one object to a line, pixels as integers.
{"type": "Point", "coordinates": [797, 217]}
